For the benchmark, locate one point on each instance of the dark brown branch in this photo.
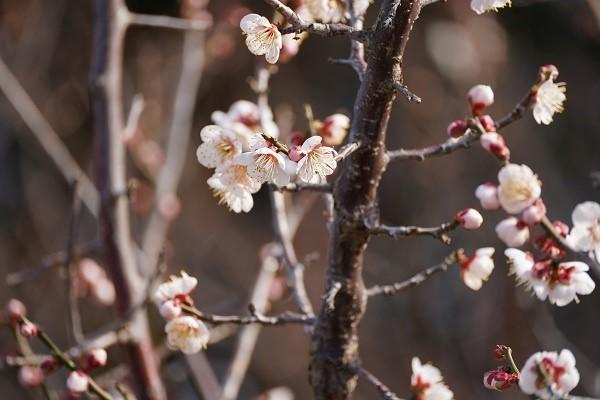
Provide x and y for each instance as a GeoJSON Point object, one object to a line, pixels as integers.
{"type": "Point", "coordinates": [417, 279]}
{"type": "Point", "coordinates": [165, 21]}
{"type": "Point", "coordinates": [313, 187]}
{"type": "Point", "coordinates": [405, 91]}
{"type": "Point", "coordinates": [383, 390]}
{"type": "Point", "coordinates": [254, 318]}
{"type": "Point", "coordinates": [334, 349]}
{"type": "Point", "coordinates": [517, 112]}
{"type": "Point", "coordinates": [438, 232]}
{"type": "Point", "coordinates": [298, 25]}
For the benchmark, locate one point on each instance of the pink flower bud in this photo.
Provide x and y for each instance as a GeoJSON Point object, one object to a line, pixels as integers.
{"type": "Point", "coordinates": [15, 310]}
{"type": "Point", "coordinates": [334, 129]}
{"type": "Point", "coordinates": [499, 352]}
{"type": "Point", "coordinates": [480, 97]}
{"type": "Point", "coordinates": [297, 138]}
{"type": "Point", "coordinates": [499, 379]}
{"type": "Point", "coordinates": [28, 329]}
{"type": "Point", "coordinates": [512, 232]}
{"type": "Point", "coordinates": [534, 213]}
{"type": "Point", "coordinates": [95, 359]}
{"type": "Point", "coordinates": [487, 122]}
{"type": "Point", "coordinates": [30, 376]}
{"type": "Point", "coordinates": [548, 71]}
{"type": "Point", "coordinates": [49, 365]}
{"type": "Point", "coordinates": [77, 382]}
{"type": "Point", "coordinates": [103, 292]}
{"type": "Point", "coordinates": [170, 309]}
{"type": "Point", "coordinates": [457, 128]}
{"type": "Point", "coordinates": [488, 196]}
{"type": "Point", "coordinates": [295, 153]}
{"type": "Point", "coordinates": [494, 143]}
{"type": "Point", "coordinates": [469, 218]}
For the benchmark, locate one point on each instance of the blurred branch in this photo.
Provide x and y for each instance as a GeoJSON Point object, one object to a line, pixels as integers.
{"type": "Point", "coordinates": [416, 280]}
{"type": "Point", "coordinates": [193, 60]}
{"type": "Point", "coordinates": [48, 138]}
{"type": "Point", "coordinates": [383, 390]}
{"type": "Point", "coordinates": [164, 21]}
{"type": "Point", "coordinates": [300, 186]}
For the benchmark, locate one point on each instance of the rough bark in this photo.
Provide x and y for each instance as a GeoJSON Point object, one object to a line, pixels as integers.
{"type": "Point", "coordinates": [334, 349]}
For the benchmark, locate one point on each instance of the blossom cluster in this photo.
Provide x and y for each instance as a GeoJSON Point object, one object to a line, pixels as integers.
{"type": "Point", "coordinates": [185, 333]}
{"type": "Point", "coordinates": [243, 149]}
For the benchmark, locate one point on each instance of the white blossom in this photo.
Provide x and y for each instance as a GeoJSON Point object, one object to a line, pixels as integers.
{"type": "Point", "coordinates": [477, 268]}
{"type": "Point", "coordinates": [187, 334]}
{"type": "Point", "coordinates": [267, 165]}
{"type": "Point", "coordinates": [519, 188]}
{"type": "Point", "coordinates": [481, 6]}
{"type": "Point", "coordinates": [318, 161]}
{"type": "Point", "coordinates": [244, 119]}
{"type": "Point", "coordinates": [487, 194]}
{"type": "Point", "coordinates": [512, 232]}
{"type": "Point", "coordinates": [262, 37]}
{"type": "Point", "coordinates": [427, 382]}
{"type": "Point", "coordinates": [549, 375]}
{"type": "Point", "coordinates": [234, 187]}
{"type": "Point", "coordinates": [219, 146]}
{"type": "Point", "coordinates": [585, 235]}
{"type": "Point", "coordinates": [560, 284]}
{"type": "Point", "coordinates": [549, 100]}
{"type": "Point", "coordinates": [175, 287]}
{"type": "Point", "coordinates": [469, 218]}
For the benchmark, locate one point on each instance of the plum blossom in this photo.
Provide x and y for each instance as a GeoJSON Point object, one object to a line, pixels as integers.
{"type": "Point", "coordinates": [219, 146]}
{"type": "Point", "coordinates": [534, 213]}
{"type": "Point", "coordinates": [549, 99]}
{"type": "Point", "coordinates": [187, 334]}
{"type": "Point", "coordinates": [480, 97]}
{"type": "Point", "coordinates": [549, 375]}
{"type": "Point", "coordinates": [585, 235]}
{"type": "Point", "coordinates": [244, 119]}
{"type": "Point", "coordinates": [494, 143]}
{"type": "Point", "coordinates": [234, 187]}
{"type": "Point", "coordinates": [176, 287]}
{"type": "Point", "coordinates": [487, 194]}
{"type": "Point", "coordinates": [31, 376]}
{"type": "Point", "coordinates": [560, 284]}
{"type": "Point", "coordinates": [96, 358]}
{"type": "Point", "coordinates": [512, 232]}
{"type": "Point", "coordinates": [427, 382]}
{"type": "Point", "coordinates": [77, 382]}
{"type": "Point", "coordinates": [262, 37]}
{"type": "Point", "coordinates": [477, 268]}
{"type": "Point", "coordinates": [499, 379]}
{"type": "Point", "coordinates": [318, 161]}
{"type": "Point", "coordinates": [482, 6]}
{"type": "Point", "coordinates": [334, 129]}
{"type": "Point", "coordinates": [267, 165]}
{"type": "Point", "coordinates": [457, 128]}
{"type": "Point", "coordinates": [519, 188]}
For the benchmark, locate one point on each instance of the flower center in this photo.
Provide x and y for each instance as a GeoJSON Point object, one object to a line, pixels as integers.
{"type": "Point", "coordinates": [518, 190]}
{"type": "Point", "coordinates": [225, 148]}
{"type": "Point", "coordinates": [266, 164]}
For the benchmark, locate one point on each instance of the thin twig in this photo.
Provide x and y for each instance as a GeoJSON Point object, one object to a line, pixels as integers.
{"type": "Point", "coordinates": [395, 288]}
{"type": "Point", "coordinates": [346, 150]}
{"type": "Point", "coordinates": [300, 186]}
{"type": "Point", "coordinates": [70, 270]}
{"type": "Point", "coordinates": [165, 21]}
{"type": "Point", "coordinates": [438, 232]}
{"type": "Point", "coordinates": [405, 91]}
{"type": "Point", "coordinates": [254, 318]}
{"type": "Point", "coordinates": [383, 390]}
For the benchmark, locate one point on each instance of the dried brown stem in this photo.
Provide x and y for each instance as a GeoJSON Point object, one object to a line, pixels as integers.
{"type": "Point", "coordinates": [416, 280]}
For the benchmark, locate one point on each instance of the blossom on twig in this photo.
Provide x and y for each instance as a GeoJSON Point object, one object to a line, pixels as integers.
{"type": "Point", "coordinates": [476, 269]}
{"type": "Point", "coordinates": [585, 235]}
{"type": "Point", "coordinates": [519, 188]}
{"type": "Point", "coordinates": [187, 334]}
{"type": "Point", "coordinates": [549, 96]}
{"type": "Point", "coordinates": [549, 375]}
{"type": "Point", "coordinates": [318, 160]}
{"type": "Point", "coordinates": [262, 37]}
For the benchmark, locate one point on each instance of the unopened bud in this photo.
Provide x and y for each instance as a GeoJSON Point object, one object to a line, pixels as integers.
{"type": "Point", "coordinates": [499, 379]}
{"type": "Point", "coordinates": [30, 376]}
{"type": "Point", "coordinates": [469, 218]}
{"type": "Point", "coordinates": [49, 365]}
{"type": "Point", "coordinates": [494, 143]}
{"type": "Point", "coordinates": [28, 329]}
{"type": "Point", "coordinates": [488, 196]}
{"type": "Point", "coordinates": [334, 129]}
{"type": "Point", "coordinates": [548, 71]}
{"type": "Point", "coordinates": [170, 309]}
{"type": "Point", "coordinates": [512, 232]}
{"type": "Point", "coordinates": [95, 359]}
{"type": "Point", "coordinates": [487, 123]}
{"type": "Point", "coordinates": [77, 382]}
{"type": "Point", "coordinates": [480, 97]}
{"type": "Point", "coordinates": [295, 153]}
{"type": "Point", "coordinates": [15, 310]}
{"type": "Point", "coordinates": [534, 213]}
{"type": "Point", "coordinates": [457, 128]}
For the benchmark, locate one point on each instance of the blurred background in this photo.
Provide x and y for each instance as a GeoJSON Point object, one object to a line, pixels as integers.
{"type": "Point", "coordinates": [47, 45]}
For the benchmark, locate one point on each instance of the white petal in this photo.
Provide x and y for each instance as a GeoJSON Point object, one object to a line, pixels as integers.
{"type": "Point", "coordinates": [310, 143]}
{"type": "Point", "coordinates": [586, 213]}
{"type": "Point", "coordinates": [252, 23]}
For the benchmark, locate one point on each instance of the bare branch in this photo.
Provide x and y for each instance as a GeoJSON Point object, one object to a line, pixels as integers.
{"type": "Point", "coordinates": [383, 390]}
{"type": "Point", "coordinates": [73, 315]}
{"type": "Point", "coordinates": [449, 146]}
{"type": "Point", "coordinates": [405, 91]}
{"type": "Point", "coordinates": [417, 279]}
{"type": "Point", "coordinates": [300, 186]}
{"type": "Point", "coordinates": [438, 232]}
{"type": "Point", "coordinates": [346, 150]}
{"type": "Point", "coordinates": [254, 318]}
{"type": "Point", "coordinates": [48, 138]}
{"type": "Point", "coordinates": [164, 21]}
